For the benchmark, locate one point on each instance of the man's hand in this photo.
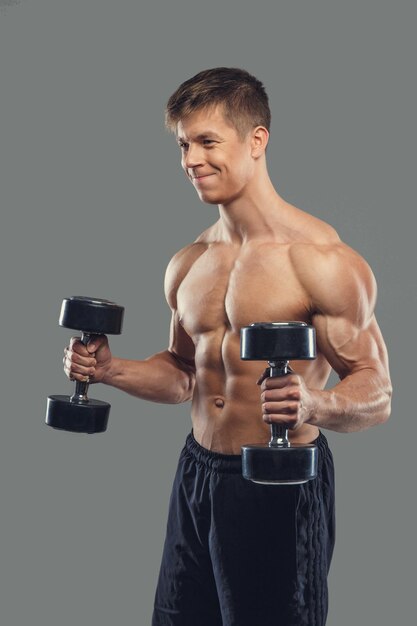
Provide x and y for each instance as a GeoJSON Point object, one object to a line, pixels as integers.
{"type": "Point", "coordinates": [286, 400]}
{"type": "Point", "coordinates": [90, 362]}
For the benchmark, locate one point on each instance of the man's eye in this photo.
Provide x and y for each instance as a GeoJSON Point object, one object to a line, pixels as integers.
{"type": "Point", "coordinates": [207, 142]}
{"type": "Point", "coordinates": [182, 145]}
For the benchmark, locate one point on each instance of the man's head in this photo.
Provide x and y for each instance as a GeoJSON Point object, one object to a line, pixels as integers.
{"type": "Point", "coordinates": [242, 96]}
{"type": "Point", "coordinates": [221, 119]}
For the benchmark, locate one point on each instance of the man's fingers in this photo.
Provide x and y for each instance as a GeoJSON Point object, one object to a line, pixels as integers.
{"type": "Point", "coordinates": [265, 375]}
{"type": "Point", "coordinates": [96, 342]}
{"type": "Point", "coordinates": [77, 367]}
{"type": "Point", "coordinates": [282, 413]}
{"type": "Point", "coordinates": [279, 382]}
{"type": "Point", "coordinates": [76, 347]}
{"type": "Point", "coordinates": [280, 408]}
{"type": "Point", "coordinates": [283, 394]}
{"type": "Point", "coordinates": [75, 376]}
{"type": "Point", "coordinates": [78, 359]}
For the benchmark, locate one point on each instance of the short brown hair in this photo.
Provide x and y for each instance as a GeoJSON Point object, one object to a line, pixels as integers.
{"type": "Point", "coordinates": [243, 96]}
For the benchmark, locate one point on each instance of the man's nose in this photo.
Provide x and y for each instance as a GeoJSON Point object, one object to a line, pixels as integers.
{"type": "Point", "coordinates": [193, 157]}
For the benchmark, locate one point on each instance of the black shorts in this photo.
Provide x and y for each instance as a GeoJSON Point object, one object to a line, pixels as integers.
{"type": "Point", "coordinates": [238, 553]}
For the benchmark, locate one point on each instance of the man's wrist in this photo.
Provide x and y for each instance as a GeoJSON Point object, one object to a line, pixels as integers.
{"type": "Point", "coordinates": [319, 404]}
{"type": "Point", "coordinates": [110, 373]}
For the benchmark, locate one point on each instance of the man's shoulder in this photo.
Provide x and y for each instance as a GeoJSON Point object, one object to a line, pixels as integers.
{"type": "Point", "coordinates": [179, 266]}
{"type": "Point", "coordinates": [186, 256]}
{"type": "Point", "coordinates": [333, 273]}
{"type": "Point", "coordinates": [313, 240]}
{"type": "Point", "coordinates": [328, 256]}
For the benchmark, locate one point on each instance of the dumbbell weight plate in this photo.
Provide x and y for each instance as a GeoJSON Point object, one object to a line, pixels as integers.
{"type": "Point", "coordinates": [91, 315]}
{"type": "Point", "coordinates": [278, 341]}
{"type": "Point", "coordinates": [279, 465]}
{"type": "Point", "coordinates": [90, 416]}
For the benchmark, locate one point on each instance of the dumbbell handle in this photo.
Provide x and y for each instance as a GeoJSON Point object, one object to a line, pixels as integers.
{"type": "Point", "coordinates": [81, 387]}
{"type": "Point", "coordinates": [279, 434]}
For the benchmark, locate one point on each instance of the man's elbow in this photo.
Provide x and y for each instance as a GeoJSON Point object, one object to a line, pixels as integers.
{"type": "Point", "coordinates": [386, 399]}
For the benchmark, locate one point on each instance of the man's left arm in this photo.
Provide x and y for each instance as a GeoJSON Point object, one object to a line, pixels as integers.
{"type": "Point", "coordinates": [342, 289]}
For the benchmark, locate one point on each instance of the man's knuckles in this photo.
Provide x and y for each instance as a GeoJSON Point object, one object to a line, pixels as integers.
{"type": "Point", "coordinates": [79, 348]}
{"type": "Point", "coordinates": [283, 408]}
{"type": "Point", "coordinates": [73, 359]}
{"type": "Point", "coordinates": [278, 382]}
{"type": "Point", "coordinates": [289, 420]}
{"type": "Point", "coordinates": [292, 392]}
{"type": "Point", "coordinates": [75, 341]}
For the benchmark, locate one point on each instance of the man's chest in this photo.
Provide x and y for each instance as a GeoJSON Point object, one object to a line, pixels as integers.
{"type": "Point", "coordinates": [225, 288]}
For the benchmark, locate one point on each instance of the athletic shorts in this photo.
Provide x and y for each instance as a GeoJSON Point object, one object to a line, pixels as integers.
{"type": "Point", "coordinates": [238, 553]}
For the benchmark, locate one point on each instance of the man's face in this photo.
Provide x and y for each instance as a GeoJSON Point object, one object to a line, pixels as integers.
{"type": "Point", "coordinates": [214, 157]}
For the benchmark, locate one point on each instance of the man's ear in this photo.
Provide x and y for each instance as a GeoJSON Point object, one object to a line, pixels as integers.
{"type": "Point", "coordinates": [259, 141]}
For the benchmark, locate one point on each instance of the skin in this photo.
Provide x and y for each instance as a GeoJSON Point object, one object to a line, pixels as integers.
{"type": "Point", "coordinates": [264, 260]}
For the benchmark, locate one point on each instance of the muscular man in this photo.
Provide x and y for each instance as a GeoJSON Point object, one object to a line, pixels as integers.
{"type": "Point", "coordinates": [237, 553]}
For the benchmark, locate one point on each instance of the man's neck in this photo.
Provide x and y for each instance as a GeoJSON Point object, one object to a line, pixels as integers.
{"type": "Point", "coordinates": [253, 215]}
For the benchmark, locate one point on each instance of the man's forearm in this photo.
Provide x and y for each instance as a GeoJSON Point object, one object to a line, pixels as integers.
{"type": "Point", "coordinates": [160, 378]}
{"type": "Point", "coordinates": [359, 401]}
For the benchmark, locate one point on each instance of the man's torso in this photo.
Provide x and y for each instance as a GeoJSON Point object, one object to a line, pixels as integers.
{"type": "Point", "coordinates": [221, 287]}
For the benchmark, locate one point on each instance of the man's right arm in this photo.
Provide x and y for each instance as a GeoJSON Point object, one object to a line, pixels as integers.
{"type": "Point", "coordinates": [165, 377]}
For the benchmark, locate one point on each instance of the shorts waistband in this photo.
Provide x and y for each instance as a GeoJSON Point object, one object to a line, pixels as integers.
{"type": "Point", "coordinates": [231, 463]}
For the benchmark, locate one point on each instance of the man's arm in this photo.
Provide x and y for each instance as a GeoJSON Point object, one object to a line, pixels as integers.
{"type": "Point", "coordinates": [168, 376]}
{"type": "Point", "coordinates": [343, 294]}
{"type": "Point", "coordinates": [165, 377]}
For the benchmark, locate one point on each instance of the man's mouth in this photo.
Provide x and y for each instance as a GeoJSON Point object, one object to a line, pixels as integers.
{"type": "Point", "coordinates": [201, 177]}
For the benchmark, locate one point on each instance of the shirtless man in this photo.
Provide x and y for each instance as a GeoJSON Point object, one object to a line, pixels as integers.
{"type": "Point", "coordinates": [237, 553]}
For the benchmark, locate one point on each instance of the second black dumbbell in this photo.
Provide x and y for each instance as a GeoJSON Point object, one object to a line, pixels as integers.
{"type": "Point", "coordinates": [279, 462]}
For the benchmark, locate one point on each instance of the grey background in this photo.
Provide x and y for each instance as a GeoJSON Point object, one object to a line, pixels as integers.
{"type": "Point", "coordinates": [93, 202]}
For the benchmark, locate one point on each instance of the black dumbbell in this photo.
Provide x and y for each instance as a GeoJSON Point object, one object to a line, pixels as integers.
{"type": "Point", "coordinates": [77, 413]}
{"type": "Point", "coordinates": [278, 462]}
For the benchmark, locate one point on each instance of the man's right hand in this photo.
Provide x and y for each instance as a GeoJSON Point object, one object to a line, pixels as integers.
{"type": "Point", "coordinates": [90, 362]}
